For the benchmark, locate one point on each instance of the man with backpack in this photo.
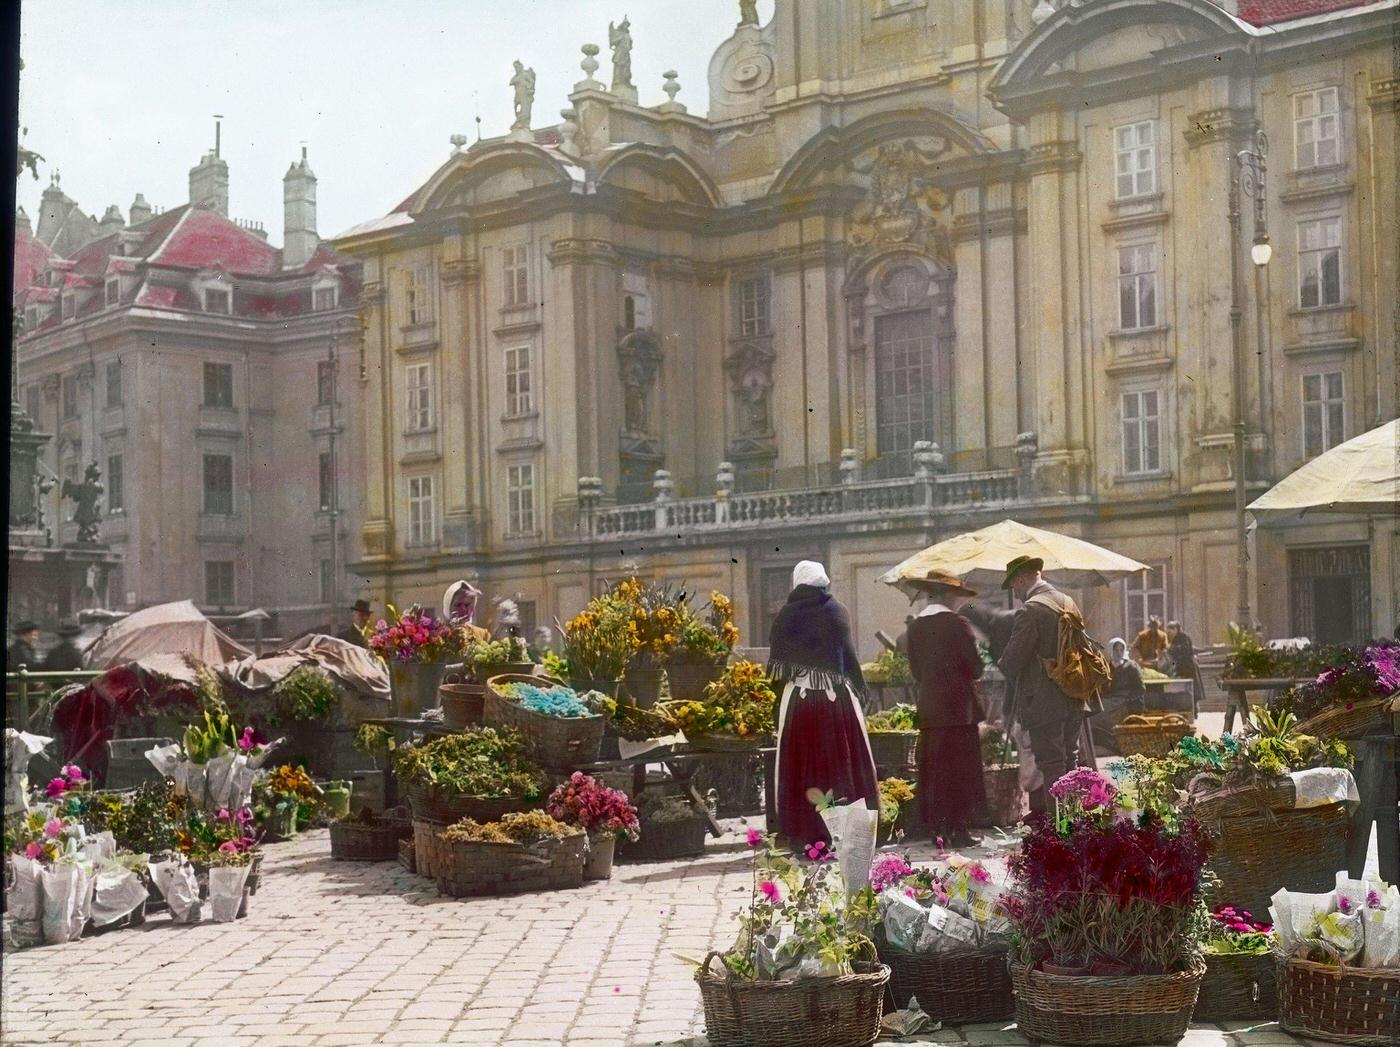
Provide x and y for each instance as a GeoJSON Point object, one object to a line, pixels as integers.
{"type": "Point", "coordinates": [1056, 671]}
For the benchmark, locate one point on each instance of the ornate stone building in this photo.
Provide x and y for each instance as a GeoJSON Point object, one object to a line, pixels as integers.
{"type": "Point", "coordinates": [922, 266]}
{"type": "Point", "coordinates": [187, 359]}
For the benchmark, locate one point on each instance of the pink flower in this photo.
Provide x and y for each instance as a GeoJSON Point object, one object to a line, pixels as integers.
{"type": "Point", "coordinates": [979, 874]}
{"type": "Point", "coordinates": [33, 849]}
{"type": "Point", "coordinates": [74, 774]}
{"type": "Point", "coordinates": [770, 891]}
{"type": "Point", "coordinates": [1373, 899]}
{"type": "Point", "coordinates": [1344, 905]}
{"type": "Point", "coordinates": [938, 842]}
{"type": "Point", "coordinates": [223, 815]}
{"type": "Point", "coordinates": [754, 837]}
{"type": "Point", "coordinates": [53, 828]}
{"type": "Point", "coordinates": [56, 788]}
{"type": "Point", "coordinates": [228, 847]}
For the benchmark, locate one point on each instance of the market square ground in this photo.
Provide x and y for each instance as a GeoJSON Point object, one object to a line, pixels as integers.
{"type": "Point", "coordinates": [345, 953]}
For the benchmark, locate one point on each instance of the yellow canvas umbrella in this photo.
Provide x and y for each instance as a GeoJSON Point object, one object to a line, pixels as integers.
{"type": "Point", "coordinates": [1359, 476]}
{"type": "Point", "coordinates": [980, 557]}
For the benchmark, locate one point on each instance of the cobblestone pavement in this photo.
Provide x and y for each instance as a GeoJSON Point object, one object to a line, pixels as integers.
{"type": "Point", "coordinates": [353, 953]}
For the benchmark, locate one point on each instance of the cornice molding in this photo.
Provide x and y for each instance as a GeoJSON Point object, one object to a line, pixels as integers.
{"type": "Point", "coordinates": [1221, 124]}
{"type": "Point", "coordinates": [1052, 156]}
{"type": "Point", "coordinates": [582, 251]}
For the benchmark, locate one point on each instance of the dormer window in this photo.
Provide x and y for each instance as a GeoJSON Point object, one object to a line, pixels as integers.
{"type": "Point", "coordinates": [31, 317]}
{"type": "Point", "coordinates": [324, 298]}
{"type": "Point", "coordinates": [70, 307]}
{"type": "Point", "coordinates": [216, 300]}
{"type": "Point", "coordinates": [114, 290]}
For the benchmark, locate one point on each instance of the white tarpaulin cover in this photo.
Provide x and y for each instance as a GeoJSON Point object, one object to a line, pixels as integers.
{"type": "Point", "coordinates": [353, 666]}
{"type": "Point", "coordinates": [169, 628]}
{"type": "Point", "coordinates": [1359, 476]}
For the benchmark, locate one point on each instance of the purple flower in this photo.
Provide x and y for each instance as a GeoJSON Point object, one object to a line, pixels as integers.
{"type": "Point", "coordinates": [56, 788]}
{"type": "Point", "coordinates": [1344, 905]}
{"type": "Point", "coordinates": [887, 870]}
{"type": "Point", "coordinates": [53, 828]}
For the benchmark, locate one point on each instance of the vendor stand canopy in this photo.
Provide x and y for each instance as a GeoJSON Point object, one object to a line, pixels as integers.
{"type": "Point", "coordinates": [169, 628]}
{"type": "Point", "coordinates": [980, 558]}
{"type": "Point", "coordinates": [1359, 476]}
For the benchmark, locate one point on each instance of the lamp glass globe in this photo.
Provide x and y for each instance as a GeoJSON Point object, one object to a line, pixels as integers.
{"type": "Point", "coordinates": [1261, 253]}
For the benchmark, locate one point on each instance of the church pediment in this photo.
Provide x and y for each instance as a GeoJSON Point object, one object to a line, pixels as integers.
{"type": "Point", "coordinates": [1126, 47]}
{"type": "Point", "coordinates": [495, 173]}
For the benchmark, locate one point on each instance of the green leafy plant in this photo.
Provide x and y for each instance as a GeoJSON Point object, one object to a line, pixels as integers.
{"type": "Point", "coordinates": [213, 737]}
{"type": "Point", "coordinates": [490, 657]}
{"type": "Point", "coordinates": [481, 761]}
{"type": "Point", "coordinates": [890, 667]}
{"type": "Point", "coordinates": [376, 741]}
{"type": "Point", "coordinates": [306, 693]}
{"type": "Point", "coordinates": [900, 717]}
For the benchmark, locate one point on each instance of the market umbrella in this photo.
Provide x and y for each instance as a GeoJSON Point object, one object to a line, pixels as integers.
{"type": "Point", "coordinates": [169, 628]}
{"type": "Point", "coordinates": [1359, 476]}
{"type": "Point", "coordinates": [980, 557]}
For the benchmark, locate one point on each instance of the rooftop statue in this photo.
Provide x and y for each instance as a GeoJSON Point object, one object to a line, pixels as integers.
{"type": "Point", "coordinates": [620, 40]}
{"type": "Point", "coordinates": [524, 83]}
{"type": "Point", "coordinates": [85, 497]}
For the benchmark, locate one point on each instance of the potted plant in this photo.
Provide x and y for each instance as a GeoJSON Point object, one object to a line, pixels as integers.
{"type": "Point", "coordinates": [705, 641]}
{"type": "Point", "coordinates": [521, 851]}
{"type": "Point", "coordinates": [415, 647]}
{"type": "Point", "coordinates": [280, 799]}
{"type": "Point", "coordinates": [1107, 907]}
{"type": "Point", "coordinates": [736, 712]}
{"type": "Point", "coordinates": [599, 641]}
{"type": "Point", "coordinates": [305, 700]}
{"type": "Point", "coordinates": [481, 773]}
{"type": "Point", "coordinates": [606, 815]}
{"type": "Point", "coordinates": [803, 969]}
{"type": "Point", "coordinates": [1240, 981]}
{"type": "Point", "coordinates": [894, 738]}
{"type": "Point", "coordinates": [488, 658]}
{"type": "Point", "coordinates": [655, 614]}
{"type": "Point", "coordinates": [1001, 776]}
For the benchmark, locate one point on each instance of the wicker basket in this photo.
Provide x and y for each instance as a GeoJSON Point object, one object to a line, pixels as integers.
{"type": "Point", "coordinates": [1145, 1008]}
{"type": "Point", "coordinates": [1373, 716]}
{"type": "Point", "coordinates": [557, 742]}
{"type": "Point", "coordinates": [461, 704]}
{"type": "Point", "coordinates": [432, 805]}
{"type": "Point", "coordinates": [687, 678]}
{"type": "Point", "coordinates": [639, 725]}
{"type": "Point", "coordinates": [425, 844]}
{"type": "Point", "coordinates": [1212, 800]}
{"type": "Point", "coordinates": [727, 743]}
{"type": "Point", "coordinates": [1005, 800]}
{"type": "Point", "coordinates": [470, 869]}
{"type": "Point", "coordinates": [667, 841]}
{"type": "Point", "coordinates": [894, 750]}
{"type": "Point", "coordinates": [356, 842]}
{"type": "Point", "coordinates": [1237, 987]}
{"type": "Point", "coordinates": [1153, 733]}
{"type": "Point", "coordinates": [1356, 1005]}
{"type": "Point", "coordinates": [406, 856]}
{"type": "Point", "coordinates": [967, 986]}
{"type": "Point", "coordinates": [843, 1011]}
{"type": "Point", "coordinates": [1257, 854]}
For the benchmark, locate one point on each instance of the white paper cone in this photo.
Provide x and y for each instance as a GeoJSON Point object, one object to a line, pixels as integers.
{"type": "Point", "coordinates": [116, 892]}
{"type": "Point", "coordinates": [226, 891]}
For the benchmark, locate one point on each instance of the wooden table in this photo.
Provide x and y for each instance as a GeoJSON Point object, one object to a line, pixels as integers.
{"type": "Point", "coordinates": [1237, 694]}
{"type": "Point", "coordinates": [1158, 689]}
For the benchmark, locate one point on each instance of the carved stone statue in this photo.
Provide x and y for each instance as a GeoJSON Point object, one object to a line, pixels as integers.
{"type": "Point", "coordinates": [903, 203]}
{"type": "Point", "coordinates": [639, 360]}
{"type": "Point", "coordinates": [754, 394]}
{"type": "Point", "coordinates": [620, 40]}
{"type": "Point", "coordinates": [85, 497]}
{"type": "Point", "coordinates": [748, 12]}
{"type": "Point", "coordinates": [634, 406]}
{"type": "Point", "coordinates": [524, 83]}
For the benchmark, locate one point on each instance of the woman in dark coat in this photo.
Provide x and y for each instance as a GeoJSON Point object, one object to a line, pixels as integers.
{"type": "Point", "coordinates": [822, 742]}
{"type": "Point", "coordinates": [944, 660]}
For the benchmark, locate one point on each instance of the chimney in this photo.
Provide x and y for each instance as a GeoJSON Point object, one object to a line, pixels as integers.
{"type": "Point", "coordinates": [111, 221]}
{"type": "Point", "coordinates": [299, 237]}
{"type": "Point", "coordinates": [22, 222]}
{"type": "Point", "coordinates": [140, 210]}
{"type": "Point", "coordinates": [54, 207]}
{"type": "Point", "coordinates": [209, 179]}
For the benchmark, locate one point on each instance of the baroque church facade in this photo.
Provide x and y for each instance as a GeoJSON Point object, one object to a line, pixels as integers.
{"type": "Point", "coordinates": [922, 266]}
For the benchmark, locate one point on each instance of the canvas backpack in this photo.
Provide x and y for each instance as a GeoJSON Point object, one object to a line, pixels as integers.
{"type": "Point", "coordinates": [1079, 669]}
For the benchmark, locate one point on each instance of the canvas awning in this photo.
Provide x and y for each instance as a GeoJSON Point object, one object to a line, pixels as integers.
{"type": "Point", "coordinates": [169, 628]}
{"type": "Point", "coordinates": [1359, 476]}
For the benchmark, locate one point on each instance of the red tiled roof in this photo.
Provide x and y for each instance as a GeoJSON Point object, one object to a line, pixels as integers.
{"type": "Point", "coordinates": [160, 297]}
{"type": "Point", "coordinates": [205, 240]}
{"type": "Point", "coordinates": [31, 258]}
{"type": "Point", "coordinates": [1269, 12]}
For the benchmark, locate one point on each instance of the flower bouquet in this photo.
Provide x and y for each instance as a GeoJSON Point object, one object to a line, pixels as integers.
{"type": "Point", "coordinates": [415, 647]}
{"type": "Point", "coordinates": [1239, 982]}
{"type": "Point", "coordinates": [50, 891]}
{"type": "Point", "coordinates": [803, 969]}
{"type": "Point", "coordinates": [606, 815]}
{"type": "Point", "coordinates": [1107, 917]}
{"type": "Point", "coordinates": [736, 712]}
{"type": "Point", "coordinates": [216, 765]}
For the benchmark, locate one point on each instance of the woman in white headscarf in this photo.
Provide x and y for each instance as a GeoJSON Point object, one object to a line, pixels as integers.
{"type": "Point", "coordinates": [459, 608]}
{"type": "Point", "coordinates": [822, 742]}
{"type": "Point", "coordinates": [1122, 697]}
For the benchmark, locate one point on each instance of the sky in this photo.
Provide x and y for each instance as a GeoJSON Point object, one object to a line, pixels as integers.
{"type": "Point", "coordinates": [119, 97]}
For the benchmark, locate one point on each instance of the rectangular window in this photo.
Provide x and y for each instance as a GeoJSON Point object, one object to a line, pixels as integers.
{"type": "Point", "coordinates": [218, 484]}
{"type": "Point", "coordinates": [326, 482]}
{"type": "Point", "coordinates": [114, 291]}
{"type": "Point", "coordinates": [418, 295]}
{"type": "Point", "coordinates": [70, 307]}
{"type": "Point", "coordinates": [1319, 262]}
{"type": "Point", "coordinates": [1137, 286]}
{"type": "Point", "coordinates": [420, 398]}
{"type": "Point", "coordinates": [218, 385]}
{"type": "Point", "coordinates": [70, 396]}
{"type": "Point", "coordinates": [218, 583]}
{"type": "Point", "coordinates": [754, 300]}
{"type": "Point", "coordinates": [216, 300]}
{"type": "Point", "coordinates": [31, 318]}
{"type": "Point", "coordinates": [520, 498]}
{"type": "Point", "coordinates": [1316, 134]}
{"type": "Point", "coordinates": [325, 382]}
{"type": "Point", "coordinates": [327, 575]}
{"type": "Point", "coordinates": [323, 298]}
{"type": "Point", "coordinates": [116, 496]}
{"type": "Point", "coordinates": [31, 405]}
{"type": "Point", "coordinates": [114, 383]}
{"type": "Point", "coordinates": [1142, 447]}
{"type": "Point", "coordinates": [907, 383]}
{"type": "Point", "coordinates": [422, 511]}
{"type": "Point", "coordinates": [1145, 596]}
{"type": "Point", "coordinates": [515, 272]}
{"type": "Point", "coordinates": [1135, 159]}
{"type": "Point", "coordinates": [1324, 412]}
{"type": "Point", "coordinates": [519, 391]}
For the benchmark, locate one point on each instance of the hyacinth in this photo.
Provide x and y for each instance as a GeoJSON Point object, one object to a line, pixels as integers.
{"type": "Point", "coordinates": [887, 870]}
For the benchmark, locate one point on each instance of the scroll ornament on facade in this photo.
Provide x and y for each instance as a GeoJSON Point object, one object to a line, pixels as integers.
{"type": "Point", "coordinates": [903, 205]}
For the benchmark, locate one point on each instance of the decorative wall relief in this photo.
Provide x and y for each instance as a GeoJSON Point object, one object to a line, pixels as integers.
{"type": "Point", "coordinates": [903, 206]}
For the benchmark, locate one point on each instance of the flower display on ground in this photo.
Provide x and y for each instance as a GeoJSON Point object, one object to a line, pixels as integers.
{"type": "Point", "coordinates": [594, 807]}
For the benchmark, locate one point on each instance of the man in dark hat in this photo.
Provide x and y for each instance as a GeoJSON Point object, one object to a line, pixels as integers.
{"type": "Point", "coordinates": [65, 657]}
{"type": "Point", "coordinates": [1052, 718]}
{"type": "Point", "coordinates": [359, 622]}
{"type": "Point", "coordinates": [22, 648]}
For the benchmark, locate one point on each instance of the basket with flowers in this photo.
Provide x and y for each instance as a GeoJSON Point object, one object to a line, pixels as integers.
{"type": "Point", "coordinates": [481, 773]}
{"type": "Point", "coordinates": [1240, 981]}
{"type": "Point", "coordinates": [707, 637]}
{"type": "Point", "coordinates": [415, 647]}
{"type": "Point", "coordinates": [894, 738]}
{"type": "Point", "coordinates": [736, 712]}
{"type": "Point", "coordinates": [523, 851]}
{"type": "Point", "coordinates": [560, 730]}
{"type": "Point", "coordinates": [605, 814]}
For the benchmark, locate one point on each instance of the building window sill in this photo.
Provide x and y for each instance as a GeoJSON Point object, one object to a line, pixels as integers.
{"type": "Point", "coordinates": [523, 537]}
{"type": "Point", "coordinates": [1155, 476]}
{"type": "Point", "coordinates": [1138, 332]}
{"type": "Point", "coordinates": [523, 416]}
{"type": "Point", "coordinates": [1138, 201]}
{"type": "Point", "coordinates": [429, 431]}
{"type": "Point", "coordinates": [1322, 310]}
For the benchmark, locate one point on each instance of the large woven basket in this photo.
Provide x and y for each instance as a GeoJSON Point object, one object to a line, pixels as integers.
{"type": "Point", "coordinates": [470, 869]}
{"type": "Point", "coordinates": [1356, 720]}
{"type": "Point", "coordinates": [1004, 796]}
{"type": "Point", "coordinates": [433, 805]}
{"type": "Point", "coordinates": [1213, 800]}
{"type": "Point", "coordinates": [688, 678]}
{"type": "Point", "coordinates": [1153, 733]}
{"type": "Point", "coordinates": [406, 855]}
{"type": "Point", "coordinates": [1237, 987]}
{"type": "Point", "coordinates": [1342, 1004]}
{"type": "Point", "coordinates": [355, 841]}
{"type": "Point", "coordinates": [557, 742]}
{"type": "Point", "coordinates": [1083, 1010]}
{"type": "Point", "coordinates": [425, 845]}
{"type": "Point", "coordinates": [843, 1011]}
{"type": "Point", "coordinates": [667, 841]}
{"type": "Point", "coordinates": [1257, 854]}
{"type": "Point", "coordinates": [894, 750]}
{"type": "Point", "coordinates": [966, 986]}
{"type": "Point", "coordinates": [727, 743]}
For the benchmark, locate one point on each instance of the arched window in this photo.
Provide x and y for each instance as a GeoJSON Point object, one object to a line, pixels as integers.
{"type": "Point", "coordinates": [912, 343]}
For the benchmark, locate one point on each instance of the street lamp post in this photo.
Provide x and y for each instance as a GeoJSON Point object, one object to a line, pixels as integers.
{"type": "Point", "coordinates": [1247, 179]}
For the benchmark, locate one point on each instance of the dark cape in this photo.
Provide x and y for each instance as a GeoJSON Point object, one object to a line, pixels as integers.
{"type": "Point", "coordinates": [812, 634]}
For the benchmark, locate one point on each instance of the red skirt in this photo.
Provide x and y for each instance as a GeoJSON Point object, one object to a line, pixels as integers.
{"type": "Point", "coordinates": [950, 785]}
{"type": "Point", "coordinates": [821, 744]}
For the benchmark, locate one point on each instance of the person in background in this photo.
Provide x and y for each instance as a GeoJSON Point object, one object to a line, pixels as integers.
{"type": "Point", "coordinates": [822, 743]}
{"type": "Point", "coordinates": [65, 655]}
{"type": "Point", "coordinates": [359, 624]}
{"type": "Point", "coordinates": [23, 648]}
{"type": "Point", "coordinates": [944, 661]}
{"type": "Point", "coordinates": [459, 605]}
{"type": "Point", "coordinates": [542, 643]}
{"type": "Point", "coordinates": [1180, 661]}
{"type": "Point", "coordinates": [995, 624]}
{"type": "Point", "coordinates": [1150, 644]}
{"type": "Point", "coordinates": [1125, 695]}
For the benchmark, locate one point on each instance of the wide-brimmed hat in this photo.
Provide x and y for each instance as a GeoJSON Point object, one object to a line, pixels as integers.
{"type": "Point", "coordinates": [24, 625]}
{"type": "Point", "coordinates": [360, 605]}
{"type": "Point", "coordinates": [1019, 564]}
{"type": "Point", "coordinates": [940, 581]}
{"type": "Point", "coordinates": [69, 629]}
